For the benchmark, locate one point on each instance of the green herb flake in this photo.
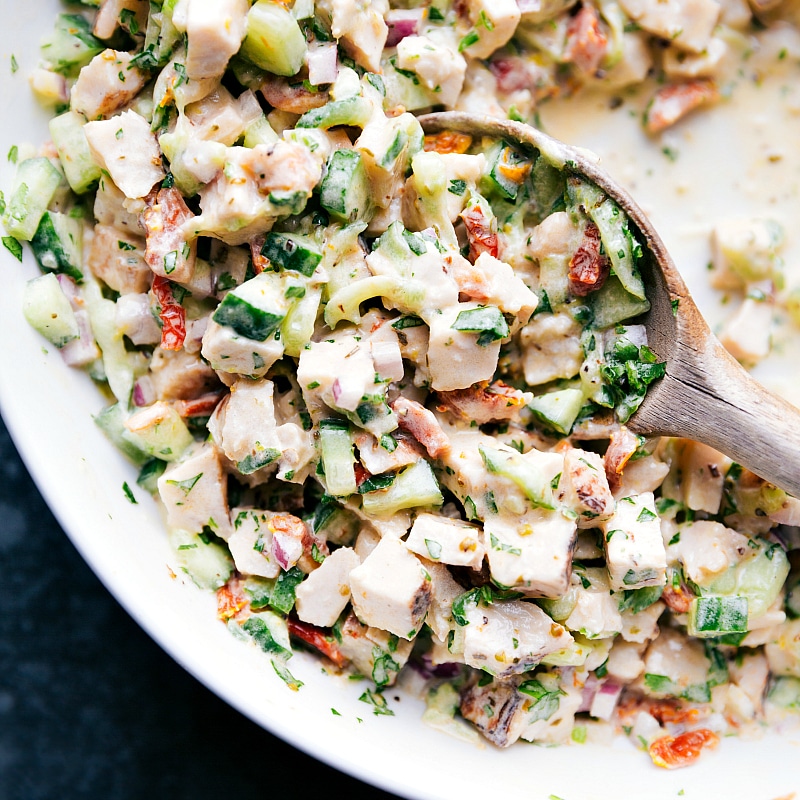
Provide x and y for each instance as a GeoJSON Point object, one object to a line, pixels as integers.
{"type": "Point", "coordinates": [283, 673]}
{"type": "Point", "coordinates": [14, 64]}
{"type": "Point", "coordinates": [378, 702]}
{"type": "Point", "coordinates": [187, 485]}
{"type": "Point", "coordinates": [13, 154]}
{"type": "Point", "coordinates": [128, 493]}
{"type": "Point", "coordinates": [13, 246]}
{"type": "Point", "coordinates": [471, 38]}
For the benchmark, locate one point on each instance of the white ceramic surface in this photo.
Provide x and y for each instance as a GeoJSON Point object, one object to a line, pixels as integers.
{"type": "Point", "coordinates": [48, 409]}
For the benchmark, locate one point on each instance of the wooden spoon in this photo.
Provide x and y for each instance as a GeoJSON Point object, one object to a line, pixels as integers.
{"type": "Point", "coordinates": [706, 395]}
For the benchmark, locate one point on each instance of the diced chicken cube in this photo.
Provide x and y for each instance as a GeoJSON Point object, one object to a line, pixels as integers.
{"type": "Point", "coordinates": [391, 589]}
{"type": "Point", "coordinates": [251, 543]}
{"type": "Point", "coordinates": [360, 27]}
{"type": "Point", "coordinates": [117, 258]}
{"type": "Point", "coordinates": [636, 61]}
{"type": "Point", "coordinates": [706, 64]}
{"type": "Point", "coordinates": [687, 24]}
{"type": "Point", "coordinates": [557, 728]}
{"type": "Point", "coordinates": [370, 648]}
{"type": "Point", "coordinates": [744, 250]}
{"type": "Point", "coordinates": [128, 14]}
{"type": "Point", "coordinates": [551, 348]}
{"type": "Point", "coordinates": [376, 458]}
{"type": "Point", "coordinates": [498, 710]}
{"type": "Point", "coordinates": [583, 487]}
{"type": "Point", "coordinates": [455, 360]}
{"type": "Point", "coordinates": [127, 149]}
{"type": "Point", "coordinates": [706, 549]}
{"type": "Point", "coordinates": [634, 546]}
{"type": "Point", "coordinates": [444, 590]}
{"type": "Point", "coordinates": [747, 334]}
{"type": "Point", "coordinates": [106, 84]}
{"type": "Point", "coordinates": [440, 68]}
{"type": "Point", "coordinates": [681, 661]}
{"type": "Point", "coordinates": [229, 353]}
{"type": "Point", "coordinates": [641, 626]}
{"type": "Point", "coordinates": [702, 476]}
{"type": "Point", "coordinates": [493, 24]}
{"type": "Point", "coordinates": [596, 612]}
{"type": "Point", "coordinates": [532, 553]}
{"type": "Point", "coordinates": [446, 541]}
{"type": "Point", "coordinates": [236, 203]}
{"type": "Point", "coordinates": [244, 426]}
{"type": "Point", "coordinates": [195, 493]}
{"type": "Point", "coordinates": [323, 595]}
{"type": "Point", "coordinates": [110, 208]}
{"type": "Point", "coordinates": [509, 637]}
{"type": "Point", "coordinates": [625, 662]}
{"type": "Point", "coordinates": [214, 32]}
{"type": "Point", "coordinates": [178, 375]}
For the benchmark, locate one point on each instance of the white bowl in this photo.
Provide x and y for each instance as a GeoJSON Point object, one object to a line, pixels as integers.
{"type": "Point", "coordinates": [48, 409]}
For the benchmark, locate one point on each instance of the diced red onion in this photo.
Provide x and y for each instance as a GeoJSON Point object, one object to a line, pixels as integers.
{"type": "Point", "coordinates": [388, 359]}
{"type": "Point", "coordinates": [605, 700]}
{"type": "Point", "coordinates": [83, 350]}
{"type": "Point", "coordinates": [347, 394]}
{"type": "Point", "coordinates": [144, 393]}
{"type": "Point", "coordinates": [195, 328]}
{"type": "Point", "coordinates": [402, 22]}
{"type": "Point", "coordinates": [70, 289]}
{"type": "Point", "coordinates": [322, 62]}
{"type": "Point", "coordinates": [286, 549]}
{"type": "Point", "coordinates": [249, 107]}
{"type": "Point", "coordinates": [589, 689]}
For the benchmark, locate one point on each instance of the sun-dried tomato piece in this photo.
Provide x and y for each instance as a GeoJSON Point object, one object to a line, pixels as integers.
{"type": "Point", "coordinates": [673, 752]}
{"type": "Point", "coordinates": [317, 638]}
{"type": "Point", "coordinates": [172, 314]}
{"type": "Point", "coordinates": [447, 142]}
{"type": "Point", "coordinates": [671, 103]}
{"type": "Point", "coordinates": [588, 268]}
{"type": "Point", "coordinates": [482, 238]}
{"type": "Point", "coordinates": [586, 42]}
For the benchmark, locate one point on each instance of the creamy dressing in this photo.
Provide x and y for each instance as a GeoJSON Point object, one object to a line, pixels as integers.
{"type": "Point", "coordinates": [736, 159]}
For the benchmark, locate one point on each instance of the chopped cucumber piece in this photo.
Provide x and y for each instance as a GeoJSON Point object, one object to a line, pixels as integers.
{"type": "Point", "coordinates": [76, 159]}
{"type": "Point", "coordinates": [336, 448]}
{"type": "Point", "coordinates": [345, 189]}
{"type": "Point", "coordinates": [111, 420]}
{"type": "Point", "coordinates": [507, 171]}
{"type": "Point", "coordinates": [785, 692]}
{"type": "Point", "coordinates": [558, 410]}
{"type": "Point", "coordinates": [58, 243]}
{"type": "Point", "coordinates": [297, 327]}
{"type": "Point", "coordinates": [151, 471]}
{"type": "Point", "coordinates": [548, 187]}
{"type": "Point", "coordinates": [34, 187]}
{"type": "Point", "coordinates": [354, 110]}
{"type": "Point", "coordinates": [168, 438]}
{"type": "Point", "coordinates": [618, 239]}
{"type": "Point", "coordinates": [415, 486]}
{"type": "Point", "coordinates": [48, 310]}
{"type": "Point", "coordinates": [711, 616]}
{"type": "Point", "coordinates": [487, 321]}
{"type": "Point", "coordinates": [529, 478]}
{"type": "Point", "coordinates": [613, 304]}
{"type": "Point", "coordinates": [71, 45]}
{"type": "Point", "coordinates": [255, 309]}
{"type": "Point", "coordinates": [273, 41]}
{"type": "Point", "coordinates": [291, 252]}
{"type": "Point", "coordinates": [204, 559]}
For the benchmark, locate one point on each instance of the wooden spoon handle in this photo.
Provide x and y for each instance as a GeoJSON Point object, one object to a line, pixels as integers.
{"type": "Point", "coordinates": [709, 397]}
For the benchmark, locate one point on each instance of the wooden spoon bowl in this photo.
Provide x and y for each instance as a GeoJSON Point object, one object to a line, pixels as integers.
{"type": "Point", "coordinates": [706, 395]}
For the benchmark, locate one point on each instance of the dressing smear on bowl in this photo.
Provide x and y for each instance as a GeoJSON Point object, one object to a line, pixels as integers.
{"type": "Point", "coordinates": [378, 381]}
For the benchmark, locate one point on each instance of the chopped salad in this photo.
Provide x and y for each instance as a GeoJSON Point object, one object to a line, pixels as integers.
{"type": "Point", "coordinates": [378, 381]}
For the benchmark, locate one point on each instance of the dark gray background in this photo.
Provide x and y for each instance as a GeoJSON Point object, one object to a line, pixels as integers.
{"type": "Point", "coordinates": [91, 707]}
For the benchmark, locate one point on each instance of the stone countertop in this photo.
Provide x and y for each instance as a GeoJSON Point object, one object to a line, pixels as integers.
{"type": "Point", "coordinates": [91, 707]}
